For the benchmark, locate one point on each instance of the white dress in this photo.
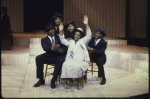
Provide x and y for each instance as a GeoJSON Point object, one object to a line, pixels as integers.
{"type": "Point", "coordinates": [77, 58]}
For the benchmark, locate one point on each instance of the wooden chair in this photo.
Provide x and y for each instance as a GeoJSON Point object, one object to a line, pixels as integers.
{"type": "Point", "coordinates": [91, 64]}
{"type": "Point", "coordinates": [48, 73]}
{"type": "Point", "coordinates": [84, 79]}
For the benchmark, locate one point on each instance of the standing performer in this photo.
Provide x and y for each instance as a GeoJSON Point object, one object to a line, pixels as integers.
{"type": "Point", "coordinates": [5, 30]}
{"type": "Point", "coordinates": [56, 20]}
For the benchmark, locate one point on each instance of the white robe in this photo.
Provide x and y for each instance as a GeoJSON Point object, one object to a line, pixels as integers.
{"type": "Point", "coordinates": [77, 58]}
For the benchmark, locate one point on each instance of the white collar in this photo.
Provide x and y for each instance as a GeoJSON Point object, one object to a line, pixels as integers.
{"type": "Point", "coordinates": [51, 38]}
{"type": "Point", "coordinates": [97, 41]}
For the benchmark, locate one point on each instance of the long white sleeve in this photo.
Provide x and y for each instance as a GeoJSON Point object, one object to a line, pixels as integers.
{"type": "Point", "coordinates": [87, 38]}
{"type": "Point", "coordinates": [63, 40]}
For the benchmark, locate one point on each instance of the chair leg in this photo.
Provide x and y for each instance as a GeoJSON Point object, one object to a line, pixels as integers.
{"type": "Point", "coordinates": [66, 81]}
{"type": "Point", "coordinates": [78, 81]}
{"type": "Point", "coordinates": [86, 76]}
{"type": "Point", "coordinates": [59, 78]}
{"type": "Point", "coordinates": [92, 68]}
{"type": "Point", "coordinates": [82, 81]}
{"type": "Point", "coordinates": [46, 71]}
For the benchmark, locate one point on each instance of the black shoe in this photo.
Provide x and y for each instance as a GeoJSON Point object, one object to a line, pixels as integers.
{"type": "Point", "coordinates": [53, 84]}
{"type": "Point", "coordinates": [103, 81]}
{"type": "Point", "coordinates": [40, 82]}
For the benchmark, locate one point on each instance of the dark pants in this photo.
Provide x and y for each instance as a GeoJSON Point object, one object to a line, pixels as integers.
{"type": "Point", "coordinates": [46, 59]}
{"type": "Point", "coordinates": [100, 61]}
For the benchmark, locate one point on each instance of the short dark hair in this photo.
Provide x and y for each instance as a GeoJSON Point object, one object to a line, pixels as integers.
{"type": "Point", "coordinates": [5, 9]}
{"type": "Point", "coordinates": [76, 30]}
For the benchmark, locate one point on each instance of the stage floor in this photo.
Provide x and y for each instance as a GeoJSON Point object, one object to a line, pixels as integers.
{"type": "Point", "coordinates": [18, 80]}
{"type": "Point", "coordinates": [126, 71]}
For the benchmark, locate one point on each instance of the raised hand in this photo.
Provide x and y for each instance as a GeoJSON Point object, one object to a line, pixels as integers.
{"type": "Point", "coordinates": [61, 27]}
{"type": "Point", "coordinates": [85, 19]}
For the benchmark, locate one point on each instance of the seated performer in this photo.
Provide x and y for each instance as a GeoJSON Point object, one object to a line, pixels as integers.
{"type": "Point", "coordinates": [97, 46]}
{"type": "Point", "coordinates": [55, 54]}
{"type": "Point", "coordinates": [77, 58]}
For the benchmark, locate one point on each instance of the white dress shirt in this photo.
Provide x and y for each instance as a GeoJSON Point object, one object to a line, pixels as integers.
{"type": "Point", "coordinates": [51, 40]}
{"type": "Point", "coordinates": [97, 41]}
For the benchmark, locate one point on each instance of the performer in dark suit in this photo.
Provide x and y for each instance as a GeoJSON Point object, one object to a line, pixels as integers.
{"type": "Point", "coordinates": [6, 39]}
{"type": "Point", "coordinates": [55, 54]}
{"type": "Point", "coordinates": [97, 46]}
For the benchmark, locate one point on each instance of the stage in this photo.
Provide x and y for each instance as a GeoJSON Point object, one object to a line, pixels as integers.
{"type": "Point", "coordinates": [126, 70]}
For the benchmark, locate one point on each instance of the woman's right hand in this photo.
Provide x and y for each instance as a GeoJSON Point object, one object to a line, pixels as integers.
{"type": "Point", "coordinates": [61, 27]}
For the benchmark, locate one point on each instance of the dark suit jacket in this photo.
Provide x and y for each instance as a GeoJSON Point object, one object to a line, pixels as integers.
{"type": "Point", "coordinates": [47, 46]}
{"type": "Point", "coordinates": [99, 49]}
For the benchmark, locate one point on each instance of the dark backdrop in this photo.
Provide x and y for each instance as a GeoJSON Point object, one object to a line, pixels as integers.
{"type": "Point", "coordinates": [37, 13]}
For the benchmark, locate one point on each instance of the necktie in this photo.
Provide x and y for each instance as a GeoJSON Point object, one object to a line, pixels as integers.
{"type": "Point", "coordinates": [53, 41]}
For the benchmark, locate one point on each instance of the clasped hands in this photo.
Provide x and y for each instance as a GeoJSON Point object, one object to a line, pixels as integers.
{"type": "Point", "coordinates": [55, 47]}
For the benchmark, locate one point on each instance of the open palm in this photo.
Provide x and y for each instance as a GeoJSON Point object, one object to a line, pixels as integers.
{"type": "Point", "coordinates": [61, 27]}
{"type": "Point", "coordinates": [85, 20]}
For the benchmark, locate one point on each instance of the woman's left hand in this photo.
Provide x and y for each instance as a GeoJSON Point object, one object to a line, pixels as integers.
{"type": "Point", "coordinates": [85, 20]}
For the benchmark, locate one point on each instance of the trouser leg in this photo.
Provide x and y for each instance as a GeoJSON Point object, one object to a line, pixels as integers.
{"type": "Point", "coordinates": [40, 61]}
{"type": "Point", "coordinates": [100, 62]}
{"type": "Point", "coordinates": [58, 66]}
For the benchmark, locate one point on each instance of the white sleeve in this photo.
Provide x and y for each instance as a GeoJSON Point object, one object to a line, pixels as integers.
{"type": "Point", "coordinates": [87, 38]}
{"type": "Point", "coordinates": [63, 40]}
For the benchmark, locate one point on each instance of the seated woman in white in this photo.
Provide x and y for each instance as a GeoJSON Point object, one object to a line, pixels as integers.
{"type": "Point", "coordinates": [77, 58]}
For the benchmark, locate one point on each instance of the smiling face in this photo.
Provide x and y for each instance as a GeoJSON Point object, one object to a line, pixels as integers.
{"type": "Point", "coordinates": [51, 33]}
{"type": "Point", "coordinates": [70, 28]}
{"type": "Point", "coordinates": [57, 21]}
{"type": "Point", "coordinates": [77, 36]}
{"type": "Point", "coordinates": [98, 35]}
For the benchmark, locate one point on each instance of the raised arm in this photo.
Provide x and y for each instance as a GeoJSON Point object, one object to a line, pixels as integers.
{"type": "Point", "coordinates": [62, 37]}
{"type": "Point", "coordinates": [87, 37]}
